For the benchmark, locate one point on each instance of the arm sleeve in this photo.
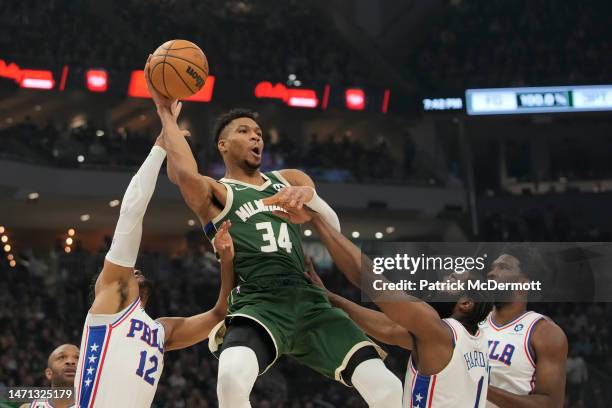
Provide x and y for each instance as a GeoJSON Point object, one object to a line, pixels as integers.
{"type": "Point", "coordinates": [128, 233]}
{"type": "Point", "coordinates": [329, 215]}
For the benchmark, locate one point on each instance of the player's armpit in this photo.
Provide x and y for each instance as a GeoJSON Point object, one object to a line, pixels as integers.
{"type": "Point", "coordinates": [115, 288]}
{"type": "Point", "coordinates": [550, 346]}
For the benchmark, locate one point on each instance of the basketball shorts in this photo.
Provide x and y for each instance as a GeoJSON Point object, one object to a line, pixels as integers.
{"type": "Point", "coordinates": [301, 323]}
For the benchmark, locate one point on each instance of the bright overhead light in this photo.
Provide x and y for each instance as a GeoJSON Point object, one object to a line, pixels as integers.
{"type": "Point", "coordinates": [355, 234]}
{"type": "Point", "coordinates": [67, 249]}
{"type": "Point", "coordinates": [378, 235]}
{"type": "Point", "coordinates": [10, 257]}
{"type": "Point", "coordinates": [114, 203]}
{"type": "Point", "coordinates": [99, 133]}
{"type": "Point", "coordinates": [33, 196]}
{"type": "Point", "coordinates": [1, 229]}
{"type": "Point", "coordinates": [390, 229]}
{"type": "Point", "coordinates": [69, 241]}
{"type": "Point", "coordinates": [13, 263]}
{"type": "Point", "coordinates": [7, 248]}
{"type": "Point", "coordinates": [307, 232]}
{"type": "Point", "coordinates": [191, 223]}
{"type": "Point", "coordinates": [71, 232]}
{"type": "Point", "coordinates": [80, 158]}
{"type": "Point", "coordinates": [85, 217]}
{"type": "Point", "coordinates": [4, 239]}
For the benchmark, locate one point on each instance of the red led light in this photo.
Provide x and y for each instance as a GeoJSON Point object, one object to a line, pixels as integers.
{"type": "Point", "coordinates": [138, 88]}
{"type": "Point", "coordinates": [355, 99]}
{"type": "Point", "coordinates": [296, 97]}
{"type": "Point", "coordinates": [97, 80]}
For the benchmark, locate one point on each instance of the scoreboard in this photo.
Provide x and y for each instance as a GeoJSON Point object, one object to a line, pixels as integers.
{"type": "Point", "coordinates": [538, 100]}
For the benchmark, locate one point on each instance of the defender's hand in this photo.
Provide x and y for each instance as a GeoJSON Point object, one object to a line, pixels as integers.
{"type": "Point", "coordinates": [312, 275]}
{"type": "Point", "coordinates": [295, 216]}
{"type": "Point", "coordinates": [224, 245]}
{"type": "Point", "coordinates": [291, 197]}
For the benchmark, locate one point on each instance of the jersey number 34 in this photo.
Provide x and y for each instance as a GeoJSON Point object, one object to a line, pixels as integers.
{"type": "Point", "coordinates": [273, 243]}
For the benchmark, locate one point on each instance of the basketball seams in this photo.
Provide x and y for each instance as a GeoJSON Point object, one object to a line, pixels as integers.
{"type": "Point", "coordinates": [178, 49]}
{"type": "Point", "coordinates": [205, 71]}
{"type": "Point", "coordinates": [164, 71]}
{"type": "Point", "coordinates": [181, 78]}
{"type": "Point", "coordinates": [153, 82]}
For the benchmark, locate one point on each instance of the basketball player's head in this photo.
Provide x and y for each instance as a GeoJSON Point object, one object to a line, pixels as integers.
{"type": "Point", "coordinates": [469, 307]}
{"type": "Point", "coordinates": [516, 264]}
{"type": "Point", "coordinates": [239, 139]}
{"type": "Point", "coordinates": [61, 365]}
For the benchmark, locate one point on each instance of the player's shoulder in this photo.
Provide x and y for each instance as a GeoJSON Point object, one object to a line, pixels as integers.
{"type": "Point", "coordinates": [296, 177]}
{"type": "Point", "coordinates": [547, 333]}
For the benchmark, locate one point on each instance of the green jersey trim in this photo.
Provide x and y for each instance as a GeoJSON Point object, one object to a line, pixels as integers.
{"type": "Point", "coordinates": [229, 200]}
{"type": "Point", "coordinates": [281, 178]}
{"type": "Point", "coordinates": [253, 186]}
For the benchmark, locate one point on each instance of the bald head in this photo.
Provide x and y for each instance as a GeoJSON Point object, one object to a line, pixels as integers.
{"type": "Point", "coordinates": [61, 365]}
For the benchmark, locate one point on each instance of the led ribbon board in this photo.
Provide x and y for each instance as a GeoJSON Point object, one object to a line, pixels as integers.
{"type": "Point", "coordinates": [508, 101]}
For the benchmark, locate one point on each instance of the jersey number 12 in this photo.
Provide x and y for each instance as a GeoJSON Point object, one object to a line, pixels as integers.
{"type": "Point", "coordinates": [273, 243]}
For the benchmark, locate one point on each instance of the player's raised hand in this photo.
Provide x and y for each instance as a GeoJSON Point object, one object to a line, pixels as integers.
{"type": "Point", "coordinates": [291, 197]}
{"type": "Point", "coordinates": [312, 275]}
{"type": "Point", "coordinates": [224, 245]}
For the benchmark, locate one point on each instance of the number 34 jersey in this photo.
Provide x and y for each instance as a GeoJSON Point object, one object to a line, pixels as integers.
{"type": "Point", "coordinates": [121, 359]}
{"type": "Point", "coordinates": [266, 245]}
{"type": "Point", "coordinates": [461, 384]}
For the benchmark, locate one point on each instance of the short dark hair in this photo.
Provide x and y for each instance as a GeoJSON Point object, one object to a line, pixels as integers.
{"type": "Point", "coordinates": [226, 118]}
{"type": "Point", "coordinates": [531, 261]}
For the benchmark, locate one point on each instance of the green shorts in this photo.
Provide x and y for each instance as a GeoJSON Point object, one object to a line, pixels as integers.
{"type": "Point", "coordinates": [301, 323]}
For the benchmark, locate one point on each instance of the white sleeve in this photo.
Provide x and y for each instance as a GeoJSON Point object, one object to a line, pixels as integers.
{"type": "Point", "coordinates": [329, 215]}
{"type": "Point", "coordinates": [128, 233]}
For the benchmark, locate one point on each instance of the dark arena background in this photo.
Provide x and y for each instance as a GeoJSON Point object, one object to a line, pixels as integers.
{"type": "Point", "coordinates": [419, 120]}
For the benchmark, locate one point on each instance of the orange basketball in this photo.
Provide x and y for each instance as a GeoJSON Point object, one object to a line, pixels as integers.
{"type": "Point", "coordinates": [178, 69]}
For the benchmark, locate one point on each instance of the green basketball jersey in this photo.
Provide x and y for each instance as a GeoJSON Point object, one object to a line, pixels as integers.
{"type": "Point", "coordinates": [265, 245]}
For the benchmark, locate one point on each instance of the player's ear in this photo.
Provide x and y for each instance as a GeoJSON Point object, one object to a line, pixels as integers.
{"type": "Point", "coordinates": [465, 305]}
{"type": "Point", "coordinates": [222, 145]}
{"type": "Point", "coordinates": [48, 373]}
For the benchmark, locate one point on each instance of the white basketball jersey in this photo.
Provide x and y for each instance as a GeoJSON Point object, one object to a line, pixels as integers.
{"type": "Point", "coordinates": [122, 357]}
{"type": "Point", "coordinates": [462, 383]}
{"type": "Point", "coordinates": [510, 354]}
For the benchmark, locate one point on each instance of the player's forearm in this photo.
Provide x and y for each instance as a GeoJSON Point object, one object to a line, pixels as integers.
{"type": "Point", "coordinates": [345, 254]}
{"type": "Point", "coordinates": [373, 322]}
{"type": "Point", "coordinates": [505, 399]}
{"type": "Point", "coordinates": [128, 232]}
{"type": "Point", "coordinates": [181, 162]}
{"type": "Point", "coordinates": [227, 284]}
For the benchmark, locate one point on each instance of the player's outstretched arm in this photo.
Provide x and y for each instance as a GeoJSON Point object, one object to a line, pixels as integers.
{"type": "Point", "coordinates": [182, 166]}
{"type": "Point", "coordinates": [182, 332]}
{"type": "Point", "coordinates": [302, 193]}
{"type": "Point", "coordinates": [374, 323]}
{"type": "Point", "coordinates": [410, 313]}
{"type": "Point", "coordinates": [550, 346]}
{"type": "Point", "coordinates": [117, 277]}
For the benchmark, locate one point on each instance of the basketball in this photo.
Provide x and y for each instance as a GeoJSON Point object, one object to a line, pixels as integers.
{"type": "Point", "coordinates": [178, 69]}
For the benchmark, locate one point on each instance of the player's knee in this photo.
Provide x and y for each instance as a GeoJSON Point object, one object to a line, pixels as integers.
{"type": "Point", "coordinates": [388, 393]}
{"type": "Point", "coordinates": [232, 388]}
{"type": "Point", "coordinates": [377, 385]}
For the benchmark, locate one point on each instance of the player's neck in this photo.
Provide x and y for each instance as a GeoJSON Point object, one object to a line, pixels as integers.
{"type": "Point", "coordinates": [252, 177]}
{"type": "Point", "coordinates": [508, 312]}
